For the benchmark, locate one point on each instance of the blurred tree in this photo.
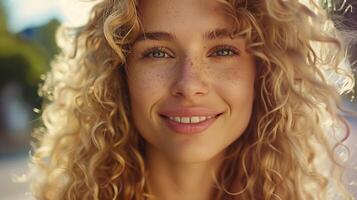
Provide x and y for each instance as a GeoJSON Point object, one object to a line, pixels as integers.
{"type": "Point", "coordinates": [23, 58]}
{"type": "Point", "coordinates": [44, 37]}
{"type": "Point", "coordinates": [3, 25]}
{"type": "Point", "coordinates": [26, 55]}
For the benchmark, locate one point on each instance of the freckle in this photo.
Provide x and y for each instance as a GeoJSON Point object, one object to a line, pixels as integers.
{"type": "Point", "coordinates": [155, 77]}
{"type": "Point", "coordinates": [229, 76]}
{"type": "Point", "coordinates": [160, 78]}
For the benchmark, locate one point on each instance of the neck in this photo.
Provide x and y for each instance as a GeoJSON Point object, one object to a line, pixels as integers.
{"type": "Point", "coordinates": [173, 180]}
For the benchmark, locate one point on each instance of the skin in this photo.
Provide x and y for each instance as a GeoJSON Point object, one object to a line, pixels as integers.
{"type": "Point", "coordinates": [188, 70]}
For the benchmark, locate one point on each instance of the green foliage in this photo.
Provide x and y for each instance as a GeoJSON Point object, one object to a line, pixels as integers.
{"type": "Point", "coordinates": [36, 62]}
{"type": "Point", "coordinates": [23, 60]}
{"type": "Point", "coordinates": [3, 25]}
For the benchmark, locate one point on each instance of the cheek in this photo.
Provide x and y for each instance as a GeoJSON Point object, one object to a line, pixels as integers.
{"type": "Point", "coordinates": [140, 81]}
{"type": "Point", "coordinates": [235, 86]}
{"type": "Point", "coordinates": [145, 88]}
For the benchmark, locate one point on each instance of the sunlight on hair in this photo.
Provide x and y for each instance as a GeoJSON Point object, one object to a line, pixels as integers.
{"type": "Point", "coordinates": [344, 68]}
{"type": "Point", "coordinates": [75, 13]}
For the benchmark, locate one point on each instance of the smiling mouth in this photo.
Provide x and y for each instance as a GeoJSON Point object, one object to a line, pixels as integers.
{"type": "Point", "coordinates": [189, 121]}
{"type": "Point", "coordinates": [189, 125]}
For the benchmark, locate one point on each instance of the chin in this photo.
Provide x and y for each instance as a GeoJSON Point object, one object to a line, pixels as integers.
{"type": "Point", "coordinates": [194, 155]}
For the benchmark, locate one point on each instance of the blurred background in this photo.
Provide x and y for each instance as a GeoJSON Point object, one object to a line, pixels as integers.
{"type": "Point", "coordinates": [27, 45]}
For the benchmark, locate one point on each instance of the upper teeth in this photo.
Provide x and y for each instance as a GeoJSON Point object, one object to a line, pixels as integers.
{"type": "Point", "coordinates": [194, 119]}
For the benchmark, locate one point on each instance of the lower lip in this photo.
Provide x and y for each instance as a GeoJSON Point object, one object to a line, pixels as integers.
{"type": "Point", "coordinates": [189, 128]}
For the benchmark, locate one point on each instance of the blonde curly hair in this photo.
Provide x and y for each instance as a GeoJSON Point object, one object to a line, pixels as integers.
{"type": "Point", "coordinates": [89, 148]}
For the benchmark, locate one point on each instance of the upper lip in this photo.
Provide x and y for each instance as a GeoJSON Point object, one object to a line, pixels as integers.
{"type": "Point", "coordinates": [189, 112]}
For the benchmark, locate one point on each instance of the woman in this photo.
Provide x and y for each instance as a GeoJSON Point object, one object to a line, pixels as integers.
{"type": "Point", "coordinates": [194, 100]}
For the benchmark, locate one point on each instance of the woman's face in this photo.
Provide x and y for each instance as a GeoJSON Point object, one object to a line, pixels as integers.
{"type": "Point", "coordinates": [187, 67]}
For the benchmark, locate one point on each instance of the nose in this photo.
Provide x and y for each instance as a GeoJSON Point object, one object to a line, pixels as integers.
{"type": "Point", "coordinates": [189, 80]}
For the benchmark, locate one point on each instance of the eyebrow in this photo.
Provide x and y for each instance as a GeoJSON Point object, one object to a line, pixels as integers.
{"type": "Point", "coordinates": [165, 36]}
{"type": "Point", "coordinates": [218, 34]}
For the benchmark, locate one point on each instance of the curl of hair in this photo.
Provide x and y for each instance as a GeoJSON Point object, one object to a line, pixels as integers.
{"type": "Point", "coordinates": [88, 147]}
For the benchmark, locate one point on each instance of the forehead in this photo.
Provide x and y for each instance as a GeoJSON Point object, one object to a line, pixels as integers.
{"type": "Point", "coordinates": [183, 15]}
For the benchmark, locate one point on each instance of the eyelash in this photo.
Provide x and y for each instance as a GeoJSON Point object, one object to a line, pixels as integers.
{"type": "Point", "coordinates": [150, 52]}
{"type": "Point", "coordinates": [233, 51]}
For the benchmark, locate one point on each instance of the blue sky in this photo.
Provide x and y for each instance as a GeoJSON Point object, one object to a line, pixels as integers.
{"type": "Point", "coordinates": [27, 13]}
